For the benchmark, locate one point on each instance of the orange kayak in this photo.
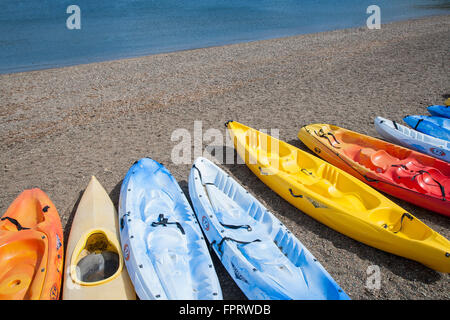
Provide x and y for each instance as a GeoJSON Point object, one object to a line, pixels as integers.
{"type": "Point", "coordinates": [31, 249]}
{"type": "Point", "coordinates": [403, 173]}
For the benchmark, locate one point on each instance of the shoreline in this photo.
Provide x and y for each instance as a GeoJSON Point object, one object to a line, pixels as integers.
{"type": "Point", "coordinates": [225, 44]}
{"type": "Point", "coordinates": [62, 125]}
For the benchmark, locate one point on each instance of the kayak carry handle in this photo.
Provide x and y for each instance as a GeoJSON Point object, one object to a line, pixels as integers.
{"type": "Point", "coordinates": [15, 222]}
{"type": "Point", "coordinates": [226, 123]}
{"type": "Point", "coordinates": [295, 195]}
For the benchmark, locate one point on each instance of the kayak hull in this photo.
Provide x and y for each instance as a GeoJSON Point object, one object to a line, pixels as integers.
{"type": "Point", "coordinates": [96, 218]}
{"type": "Point", "coordinates": [261, 255]}
{"type": "Point", "coordinates": [439, 111]}
{"type": "Point", "coordinates": [437, 127]}
{"type": "Point", "coordinates": [31, 249]}
{"type": "Point", "coordinates": [410, 138]}
{"type": "Point", "coordinates": [164, 249]}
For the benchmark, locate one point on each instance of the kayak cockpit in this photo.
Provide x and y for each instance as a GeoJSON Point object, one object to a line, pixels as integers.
{"type": "Point", "coordinates": [96, 259]}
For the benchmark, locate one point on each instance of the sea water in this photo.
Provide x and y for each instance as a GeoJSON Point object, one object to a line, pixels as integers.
{"type": "Point", "coordinates": [34, 34]}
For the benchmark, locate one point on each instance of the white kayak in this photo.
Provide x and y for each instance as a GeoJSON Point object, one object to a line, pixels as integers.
{"type": "Point", "coordinates": [94, 262]}
{"type": "Point", "coordinates": [261, 255]}
{"type": "Point", "coordinates": [413, 139]}
{"type": "Point", "coordinates": [164, 249]}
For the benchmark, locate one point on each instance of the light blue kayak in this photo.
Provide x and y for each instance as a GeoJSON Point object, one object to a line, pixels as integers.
{"type": "Point", "coordinates": [437, 127]}
{"type": "Point", "coordinates": [163, 246]}
{"type": "Point", "coordinates": [261, 255]}
{"type": "Point", "coordinates": [413, 139]}
{"type": "Point", "coordinates": [439, 111]}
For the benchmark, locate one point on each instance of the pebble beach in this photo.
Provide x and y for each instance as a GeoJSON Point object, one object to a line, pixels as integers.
{"type": "Point", "coordinates": [61, 126]}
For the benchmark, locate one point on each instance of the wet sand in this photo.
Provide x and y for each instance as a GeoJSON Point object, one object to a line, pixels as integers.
{"type": "Point", "coordinates": [60, 126]}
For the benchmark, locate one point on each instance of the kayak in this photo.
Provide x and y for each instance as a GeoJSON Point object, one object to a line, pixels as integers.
{"type": "Point", "coordinates": [398, 171]}
{"type": "Point", "coordinates": [410, 138]}
{"type": "Point", "coordinates": [434, 126]}
{"type": "Point", "coordinates": [339, 200]}
{"type": "Point", "coordinates": [261, 255]}
{"type": "Point", "coordinates": [164, 249]}
{"type": "Point", "coordinates": [439, 111]}
{"type": "Point", "coordinates": [94, 261]}
{"type": "Point", "coordinates": [31, 249]}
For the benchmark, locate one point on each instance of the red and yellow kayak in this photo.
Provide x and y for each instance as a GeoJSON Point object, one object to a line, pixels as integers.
{"type": "Point", "coordinates": [31, 249]}
{"type": "Point", "coordinates": [398, 171]}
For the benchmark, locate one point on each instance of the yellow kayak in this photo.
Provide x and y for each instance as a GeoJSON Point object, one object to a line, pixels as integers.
{"type": "Point", "coordinates": [339, 200]}
{"type": "Point", "coordinates": [94, 262]}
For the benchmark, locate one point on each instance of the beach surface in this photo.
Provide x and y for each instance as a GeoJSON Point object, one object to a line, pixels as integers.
{"type": "Point", "coordinates": [60, 126]}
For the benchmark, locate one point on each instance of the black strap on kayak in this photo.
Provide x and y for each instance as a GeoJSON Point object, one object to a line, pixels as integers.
{"type": "Point", "coordinates": [122, 220]}
{"type": "Point", "coordinates": [417, 124]}
{"type": "Point", "coordinates": [232, 226]}
{"type": "Point", "coordinates": [368, 179]}
{"type": "Point", "coordinates": [399, 166]}
{"type": "Point", "coordinates": [226, 123]}
{"type": "Point", "coordinates": [395, 124]}
{"type": "Point", "coordinates": [262, 172]}
{"type": "Point", "coordinates": [164, 222]}
{"type": "Point", "coordinates": [295, 195]}
{"type": "Point", "coordinates": [420, 172]}
{"type": "Point", "coordinates": [15, 222]}
{"type": "Point", "coordinates": [405, 215]}
{"type": "Point", "coordinates": [219, 245]}
{"type": "Point", "coordinates": [323, 135]}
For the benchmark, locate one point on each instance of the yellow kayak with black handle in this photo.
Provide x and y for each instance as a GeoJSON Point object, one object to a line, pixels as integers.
{"type": "Point", "coordinates": [339, 200]}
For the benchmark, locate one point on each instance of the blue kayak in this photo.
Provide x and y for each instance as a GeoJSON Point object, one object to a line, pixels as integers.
{"type": "Point", "coordinates": [439, 111]}
{"type": "Point", "coordinates": [413, 139]}
{"type": "Point", "coordinates": [163, 246]}
{"type": "Point", "coordinates": [434, 126]}
{"type": "Point", "coordinates": [261, 255]}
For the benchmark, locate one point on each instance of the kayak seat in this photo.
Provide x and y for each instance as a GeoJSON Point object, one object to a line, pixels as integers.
{"type": "Point", "coordinates": [229, 213]}
{"type": "Point", "coordinates": [155, 203]}
{"type": "Point", "coordinates": [289, 165]}
{"type": "Point", "coordinates": [378, 161]}
{"type": "Point", "coordinates": [29, 253]}
{"type": "Point", "coordinates": [424, 179]}
{"type": "Point", "coordinates": [168, 250]}
{"type": "Point", "coordinates": [382, 160]}
{"type": "Point", "coordinates": [97, 266]}
{"type": "Point", "coordinates": [265, 256]}
{"type": "Point", "coordinates": [346, 199]}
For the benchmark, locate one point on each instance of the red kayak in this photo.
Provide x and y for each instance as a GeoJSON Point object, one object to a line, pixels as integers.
{"type": "Point", "coordinates": [398, 171]}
